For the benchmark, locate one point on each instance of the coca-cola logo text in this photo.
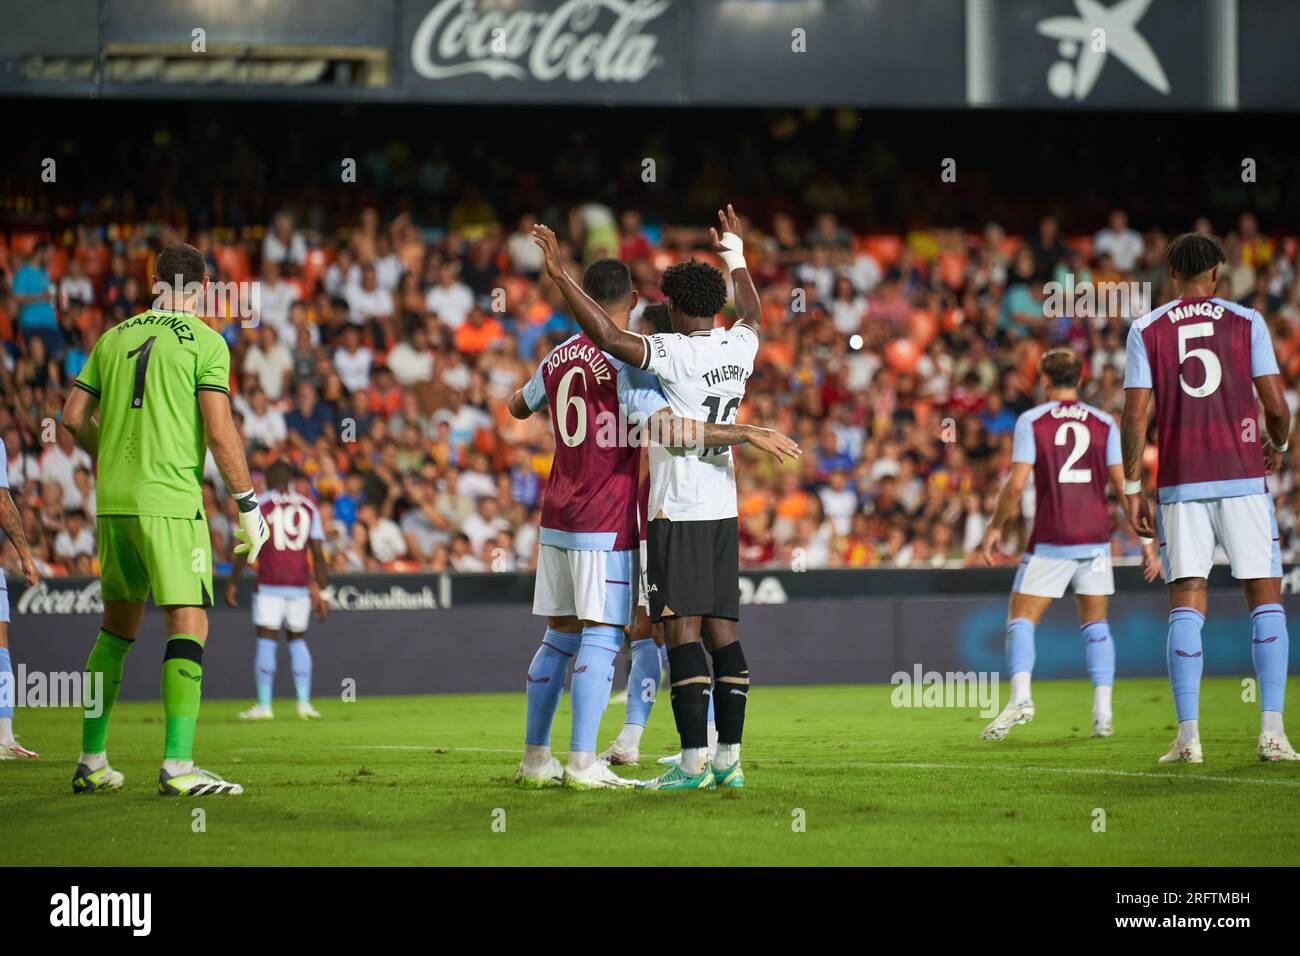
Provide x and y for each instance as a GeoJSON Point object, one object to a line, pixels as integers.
{"type": "Point", "coordinates": [578, 40]}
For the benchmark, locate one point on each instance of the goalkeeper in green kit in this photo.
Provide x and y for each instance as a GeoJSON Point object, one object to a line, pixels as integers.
{"type": "Point", "coordinates": [160, 381]}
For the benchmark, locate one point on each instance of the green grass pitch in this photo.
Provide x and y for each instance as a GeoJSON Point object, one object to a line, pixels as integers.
{"type": "Point", "coordinates": [427, 780]}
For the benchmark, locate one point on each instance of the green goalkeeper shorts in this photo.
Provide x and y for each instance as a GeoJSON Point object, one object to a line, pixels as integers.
{"type": "Point", "coordinates": [172, 557]}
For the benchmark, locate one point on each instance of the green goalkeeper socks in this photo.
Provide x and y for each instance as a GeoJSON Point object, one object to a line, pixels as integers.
{"type": "Point", "coordinates": [182, 684]}
{"type": "Point", "coordinates": [104, 668]}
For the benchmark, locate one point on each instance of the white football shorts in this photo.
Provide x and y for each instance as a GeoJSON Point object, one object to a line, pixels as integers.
{"type": "Point", "coordinates": [1245, 527]}
{"type": "Point", "coordinates": [1041, 576]}
{"type": "Point", "coordinates": [596, 586]}
{"type": "Point", "coordinates": [277, 607]}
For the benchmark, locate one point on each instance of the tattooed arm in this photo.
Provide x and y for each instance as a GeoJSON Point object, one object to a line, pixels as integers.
{"type": "Point", "coordinates": [12, 524]}
{"type": "Point", "coordinates": [674, 431]}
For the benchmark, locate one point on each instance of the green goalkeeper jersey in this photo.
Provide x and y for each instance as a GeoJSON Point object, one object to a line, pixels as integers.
{"type": "Point", "coordinates": [147, 373]}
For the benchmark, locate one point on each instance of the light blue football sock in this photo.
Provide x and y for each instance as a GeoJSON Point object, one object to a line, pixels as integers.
{"type": "Point", "coordinates": [8, 689]}
{"type": "Point", "coordinates": [593, 673]}
{"type": "Point", "coordinates": [1269, 647]}
{"type": "Point", "coordinates": [642, 681]}
{"type": "Point", "coordinates": [1099, 653]}
{"type": "Point", "coordinates": [1185, 662]}
{"type": "Point", "coordinates": [1020, 646]}
{"type": "Point", "coordinates": [663, 662]}
{"type": "Point", "coordinates": [300, 661]}
{"type": "Point", "coordinates": [546, 684]}
{"type": "Point", "coordinates": [264, 670]}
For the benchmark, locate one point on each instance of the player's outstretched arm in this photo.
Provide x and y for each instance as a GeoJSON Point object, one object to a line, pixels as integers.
{"type": "Point", "coordinates": [1133, 442]}
{"type": "Point", "coordinates": [1007, 505]}
{"type": "Point", "coordinates": [730, 246]}
{"type": "Point", "coordinates": [228, 450]}
{"type": "Point", "coordinates": [79, 419]}
{"type": "Point", "coordinates": [593, 320]}
{"type": "Point", "coordinates": [674, 431]}
{"type": "Point", "coordinates": [12, 524]}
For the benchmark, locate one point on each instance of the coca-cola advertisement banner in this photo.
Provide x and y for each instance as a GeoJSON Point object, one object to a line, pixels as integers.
{"type": "Point", "coordinates": [553, 50]}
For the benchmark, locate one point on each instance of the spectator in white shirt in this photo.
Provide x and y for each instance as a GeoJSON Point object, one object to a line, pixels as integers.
{"type": "Point", "coordinates": [76, 538]}
{"type": "Point", "coordinates": [352, 361]}
{"type": "Point", "coordinates": [368, 302]}
{"type": "Point", "coordinates": [75, 286]}
{"type": "Point", "coordinates": [60, 462]}
{"type": "Point", "coordinates": [271, 362]}
{"type": "Point", "coordinates": [283, 243]}
{"type": "Point", "coordinates": [342, 274]}
{"type": "Point", "coordinates": [388, 265]}
{"type": "Point", "coordinates": [411, 360]}
{"type": "Point", "coordinates": [274, 294]}
{"type": "Point", "coordinates": [525, 255]}
{"type": "Point", "coordinates": [839, 501]}
{"type": "Point", "coordinates": [483, 524]}
{"type": "Point", "coordinates": [1119, 241]}
{"type": "Point", "coordinates": [23, 466]}
{"type": "Point", "coordinates": [450, 300]}
{"type": "Point", "coordinates": [263, 423]}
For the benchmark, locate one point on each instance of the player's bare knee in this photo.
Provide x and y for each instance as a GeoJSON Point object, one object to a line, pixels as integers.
{"type": "Point", "coordinates": [122, 618]}
{"type": "Point", "coordinates": [718, 633]}
{"type": "Point", "coordinates": [1262, 591]}
{"type": "Point", "coordinates": [681, 630]}
{"type": "Point", "coordinates": [565, 625]}
{"type": "Point", "coordinates": [188, 620]}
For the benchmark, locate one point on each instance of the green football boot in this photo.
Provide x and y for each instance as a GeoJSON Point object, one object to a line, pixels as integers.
{"type": "Point", "coordinates": [678, 779]}
{"type": "Point", "coordinates": [196, 783]}
{"type": "Point", "coordinates": [103, 780]}
{"type": "Point", "coordinates": [732, 777]}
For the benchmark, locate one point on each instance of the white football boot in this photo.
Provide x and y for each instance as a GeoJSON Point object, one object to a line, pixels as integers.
{"type": "Point", "coordinates": [308, 712]}
{"type": "Point", "coordinates": [1102, 725]}
{"type": "Point", "coordinates": [596, 777]}
{"type": "Point", "coordinates": [1276, 747]}
{"type": "Point", "coordinates": [550, 774]}
{"type": "Point", "coordinates": [1015, 713]}
{"type": "Point", "coordinates": [257, 712]}
{"type": "Point", "coordinates": [1184, 752]}
{"type": "Point", "coordinates": [617, 756]}
{"type": "Point", "coordinates": [16, 751]}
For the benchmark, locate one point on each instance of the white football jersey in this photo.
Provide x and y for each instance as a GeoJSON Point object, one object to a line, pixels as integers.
{"type": "Point", "coordinates": [703, 376]}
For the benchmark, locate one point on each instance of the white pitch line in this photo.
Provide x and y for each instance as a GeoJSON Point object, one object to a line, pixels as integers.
{"type": "Point", "coordinates": [1083, 771]}
{"type": "Point", "coordinates": [887, 765]}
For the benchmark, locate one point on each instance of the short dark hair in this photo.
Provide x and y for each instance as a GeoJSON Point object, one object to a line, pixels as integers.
{"type": "Point", "coordinates": [1193, 254]}
{"type": "Point", "coordinates": [608, 281]}
{"type": "Point", "coordinates": [278, 474]}
{"type": "Point", "coordinates": [696, 288]}
{"type": "Point", "coordinates": [657, 315]}
{"type": "Point", "coordinates": [180, 259]}
{"type": "Point", "coordinates": [1062, 367]}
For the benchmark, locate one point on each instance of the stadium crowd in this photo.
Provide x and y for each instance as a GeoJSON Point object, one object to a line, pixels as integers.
{"type": "Point", "coordinates": [378, 359]}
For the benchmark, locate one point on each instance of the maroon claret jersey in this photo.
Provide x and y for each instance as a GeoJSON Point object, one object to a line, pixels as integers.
{"type": "Point", "coordinates": [1071, 445]}
{"type": "Point", "coordinates": [1200, 358]}
{"type": "Point", "coordinates": [590, 502]}
{"type": "Point", "coordinates": [292, 520]}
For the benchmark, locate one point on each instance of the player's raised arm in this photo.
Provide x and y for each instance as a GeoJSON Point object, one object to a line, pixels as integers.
{"type": "Point", "coordinates": [228, 450]}
{"type": "Point", "coordinates": [593, 320]}
{"type": "Point", "coordinates": [731, 247]}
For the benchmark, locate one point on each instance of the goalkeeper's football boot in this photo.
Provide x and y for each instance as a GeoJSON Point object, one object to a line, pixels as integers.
{"type": "Point", "coordinates": [678, 779]}
{"type": "Point", "coordinates": [103, 780]}
{"type": "Point", "coordinates": [1276, 747]}
{"type": "Point", "coordinates": [732, 777]}
{"type": "Point", "coordinates": [16, 751]}
{"type": "Point", "coordinates": [196, 782]}
{"type": "Point", "coordinates": [1015, 713]}
{"type": "Point", "coordinates": [550, 774]}
{"type": "Point", "coordinates": [1180, 751]}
